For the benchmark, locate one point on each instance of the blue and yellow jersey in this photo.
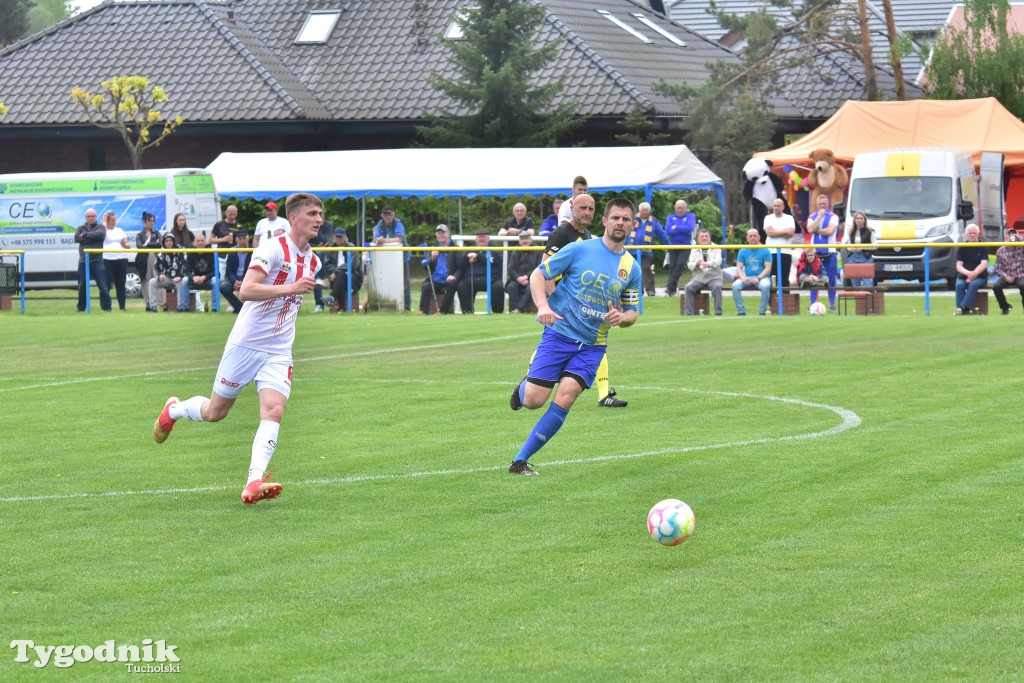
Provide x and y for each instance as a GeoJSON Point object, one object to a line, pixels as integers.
{"type": "Point", "coordinates": [591, 276]}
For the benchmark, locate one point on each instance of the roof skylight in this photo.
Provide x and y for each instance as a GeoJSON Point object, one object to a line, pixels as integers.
{"type": "Point", "coordinates": [654, 27]}
{"type": "Point", "coordinates": [318, 26]}
{"type": "Point", "coordinates": [618, 22]}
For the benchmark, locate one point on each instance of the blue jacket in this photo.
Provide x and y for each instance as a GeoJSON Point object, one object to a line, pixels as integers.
{"type": "Point", "coordinates": [231, 267]}
{"type": "Point", "coordinates": [680, 228]}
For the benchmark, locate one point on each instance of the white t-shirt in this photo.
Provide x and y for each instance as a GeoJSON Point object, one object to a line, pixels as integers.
{"type": "Point", "coordinates": [270, 325]}
{"type": "Point", "coordinates": [268, 229]}
{"type": "Point", "coordinates": [779, 223]}
{"type": "Point", "coordinates": [565, 212]}
{"type": "Point", "coordinates": [112, 240]}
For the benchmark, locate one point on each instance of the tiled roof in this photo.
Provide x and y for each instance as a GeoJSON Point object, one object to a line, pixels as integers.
{"type": "Point", "coordinates": [374, 66]}
{"type": "Point", "coordinates": [843, 73]}
{"type": "Point", "coordinates": [211, 71]}
{"type": "Point", "coordinates": [921, 17]}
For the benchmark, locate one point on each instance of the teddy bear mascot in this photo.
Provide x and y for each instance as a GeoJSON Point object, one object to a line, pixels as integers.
{"type": "Point", "coordinates": [761, 188]}
{"type": "Point", "coordinates": [826, 177]}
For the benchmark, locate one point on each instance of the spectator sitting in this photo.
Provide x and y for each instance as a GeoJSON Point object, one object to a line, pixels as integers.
{"type": "Point", "coordinates": [753, 271]}
{"type": "Point", "coordinates": [169, 273]}
{"type": "Point", "coordinates": [518, 223]}
{"type": "Point", "coordinates": [1010, 269]}
{"type": "Point", "coordinates": [472, 275]}
{"type": "Point", "coordinates": [199, 268]}
{"type": "Point", "coordinates": [706, 266]}
{"type": "Point", "coordinates": [809, 269]}
{"type": "Point", "coordinates": [971, 267]}
{"type": "Point", "coordinates": [237, 264]}
{"type": "Point", "coordinates": [441, 268]}
{"type": "Point", "coordinates": [520, 265]}
{"type": "Point", "coordinates": [338, 265]}
{"type": "Point", "coordinates": [551, 222]}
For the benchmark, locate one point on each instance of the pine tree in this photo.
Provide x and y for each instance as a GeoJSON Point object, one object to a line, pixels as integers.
{"type": "Point", "coordinates": [638, 128]}
{"type": "Point", "coordinates": [13, 20]}
{"type": "Point", "coordinates": [497, 103]}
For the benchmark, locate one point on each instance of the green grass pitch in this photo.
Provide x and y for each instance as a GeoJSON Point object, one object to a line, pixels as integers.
{"type": "Point", "coordinates": [856, 483]}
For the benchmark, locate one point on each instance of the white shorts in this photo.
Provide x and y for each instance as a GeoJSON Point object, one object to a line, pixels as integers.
{"type": "Point", "coordinates": [240, 365]}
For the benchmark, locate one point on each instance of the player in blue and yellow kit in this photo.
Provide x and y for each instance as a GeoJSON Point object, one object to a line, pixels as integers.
{"type": "Point", "coordinates": [597, 278]}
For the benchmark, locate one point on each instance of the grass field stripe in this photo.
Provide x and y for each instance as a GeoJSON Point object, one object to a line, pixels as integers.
{"type": "Point", "coordinates": [850, 421]}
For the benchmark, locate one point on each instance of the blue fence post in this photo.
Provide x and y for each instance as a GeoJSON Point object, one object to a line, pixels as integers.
{"type": "Point", "coordinates": [778, 281]}
{"type": "Point", "coordinates": [927, 281]}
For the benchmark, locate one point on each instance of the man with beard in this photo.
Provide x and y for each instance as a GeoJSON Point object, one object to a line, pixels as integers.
{"type": "Point", "coordinates": [597, 278]}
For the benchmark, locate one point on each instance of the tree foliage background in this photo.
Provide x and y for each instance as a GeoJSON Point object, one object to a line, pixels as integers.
{"type": "Point", "coordinates": [982, 59]}
{"type": "Point", "coordinates": [495, 64]}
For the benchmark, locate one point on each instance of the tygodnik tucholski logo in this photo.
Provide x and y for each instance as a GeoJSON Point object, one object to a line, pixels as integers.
{"type": "Point", "coordinates": [153, 656]}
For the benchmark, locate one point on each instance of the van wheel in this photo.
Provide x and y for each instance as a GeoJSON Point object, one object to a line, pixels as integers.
{"type": "Point", "coordinates": [133, 283]}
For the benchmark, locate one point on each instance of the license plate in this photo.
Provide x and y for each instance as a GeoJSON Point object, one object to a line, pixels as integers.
{"type": "Point", "coordinates": [897, 267]}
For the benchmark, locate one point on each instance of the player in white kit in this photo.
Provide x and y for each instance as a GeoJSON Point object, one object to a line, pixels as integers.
{"type": "Point", "coordinates": [260, 345]}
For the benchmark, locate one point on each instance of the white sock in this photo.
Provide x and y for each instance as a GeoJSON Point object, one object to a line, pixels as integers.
{"type": "Point", "coordinates": [191, 409]}
{"type": "Point", "coordinates": [263, 448]}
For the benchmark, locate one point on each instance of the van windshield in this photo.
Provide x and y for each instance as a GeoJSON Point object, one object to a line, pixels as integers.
{"type": "Point", "coordinates": [907, 197]}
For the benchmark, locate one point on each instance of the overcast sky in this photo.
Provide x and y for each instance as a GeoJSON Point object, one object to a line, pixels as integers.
{"type": "Point", "coordinates": [86, 4]}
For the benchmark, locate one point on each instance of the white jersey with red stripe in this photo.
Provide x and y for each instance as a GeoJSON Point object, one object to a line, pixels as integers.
{"type": "Point", "coordinates": [270, 325]}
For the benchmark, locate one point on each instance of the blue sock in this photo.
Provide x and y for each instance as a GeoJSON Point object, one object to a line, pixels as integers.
{"type": "Point", "coordinates": [522, 391]}
{"type": "Point", "coordinates": [547, 426]}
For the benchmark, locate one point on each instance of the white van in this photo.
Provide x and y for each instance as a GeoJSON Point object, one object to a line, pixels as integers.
{"type": "Point", "coordinates": [40, 211]}
{"type": "Point", "coordinates": [924, 196]}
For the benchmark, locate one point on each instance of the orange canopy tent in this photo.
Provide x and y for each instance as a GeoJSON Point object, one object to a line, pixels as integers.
{"type": "Point", "coordinates": [980, 125]}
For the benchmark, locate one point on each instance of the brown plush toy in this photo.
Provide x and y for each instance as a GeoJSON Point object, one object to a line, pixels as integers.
{"type": "Point", "coordinates": [827, 177]}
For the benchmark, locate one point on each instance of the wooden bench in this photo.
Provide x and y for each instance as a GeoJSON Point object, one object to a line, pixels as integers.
{"type": "Point", "coordinates": [171, 301]}
{"type": "Point", "coordinates": [980, 303]}
{"type": "Point", "coordinates": [5, 303]}
{"type": "Point", "coordinates": [790, 303]}
{"type": "Point", "coordinates": [867, 300]}
{"type": "Point", "coordinates": [701, 302]}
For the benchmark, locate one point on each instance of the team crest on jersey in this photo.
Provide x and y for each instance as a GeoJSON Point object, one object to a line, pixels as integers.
{"type": "Point", "coordinates": [623, 274]}
{"type": "Point", "coordinates": [286, 266]}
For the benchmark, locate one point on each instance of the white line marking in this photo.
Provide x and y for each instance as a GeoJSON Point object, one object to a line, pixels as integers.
{"type": "Point", "coordinates": [850, 420]}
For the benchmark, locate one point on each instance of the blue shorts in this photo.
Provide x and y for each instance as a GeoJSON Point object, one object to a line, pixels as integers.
{"type": "Point", "coordinates": [559, 356]}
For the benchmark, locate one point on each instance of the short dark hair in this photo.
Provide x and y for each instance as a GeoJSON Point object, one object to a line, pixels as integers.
{"type": "Point", "coordinates": [580, 180]}
{"type": "Point", "coordinates": [619, 203]}
{"type": "Point", "coordinates": [147, 216]}
{"type": "Point", "coordinates": [301, 199]}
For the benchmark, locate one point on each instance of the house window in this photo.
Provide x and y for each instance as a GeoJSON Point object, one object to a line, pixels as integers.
{"type": "Point", "coordinates": [618, 22]}
{"type": "Point", "coordinates": [318, 26]}
{"type": "Point", "coordinates": [654, 27]}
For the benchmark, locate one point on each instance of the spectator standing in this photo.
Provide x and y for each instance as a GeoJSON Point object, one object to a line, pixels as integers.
{"type": "Point", "coordinates": [679, 227]}
{"type": "Point", "coordinates": [340, 264]}
{"type": "Point", "coordinates": [645, 228]}
{"type": "Point", "coordinates": [115, 260]}
{"type": "Point", "coordinates": [472, 274]}
{"type": "Point", "coordinates": [551, 222]}
{"type": "Point", "coordinates": [520, 265]}
{"type": "Point", "coordinates": [579, 186]}
{"type": "Point", "coordinates": [90, 235]}
{"type": "Point", "coordinates": [183, 237]}
{"type": "Point", "coordinates": [148, 238]}
{"type": "Point", "coordinates": [860, 233]}
{"type": "Point", "coordinates": [222, 234]}
{"type": "Point", "coordinates": [971, 268]}
{"type": "Point", "coordinates": [259, 347]}
{"type": "Point", "coordinates": [779, 229]}
{"type": "Point", "coordinates": [753, 271]}
{"type": "Point", "coordinates": [390, 230]}
{"type": "Point", "coordinates": [234, 271]}
{"type": "Point", "coordinates": [442, 267]}
{"type": "Point", "coordinates": [706, 265]}
{"type": "Point", "coordinates": [271, 225]}
{"type": "Point", "coordinates": [1010, 269]}
{"type": "Point", "coordinates": [518, 223]}
{"type": "Point", "coordinates": [169, 273]}
{"type": "Point", "coordinates": [823, 225]}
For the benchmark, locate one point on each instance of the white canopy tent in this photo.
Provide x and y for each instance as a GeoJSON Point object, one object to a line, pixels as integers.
{"type": "Point", "coordinates": [461, 172]}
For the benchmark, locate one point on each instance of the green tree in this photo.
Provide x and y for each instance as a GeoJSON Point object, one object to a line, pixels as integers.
{"type": "Point", "coordinates": [46, 13]}
{"type": "Point", "coordinates": [13, 20]}
{"type": "Point", "coordinates": [982, 59]}
{"type": "Point", "coordinates": [128, 104]}
{"type": "Point", "coordinates": [638, 128]}
{"type": "Point", "coordinates": [495, 65]}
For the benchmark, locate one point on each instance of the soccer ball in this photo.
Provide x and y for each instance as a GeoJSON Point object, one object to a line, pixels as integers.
{"type": "Point", "coordinates": [817, 308]}
{"type": "Point", "coordinates": [671, 522]}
